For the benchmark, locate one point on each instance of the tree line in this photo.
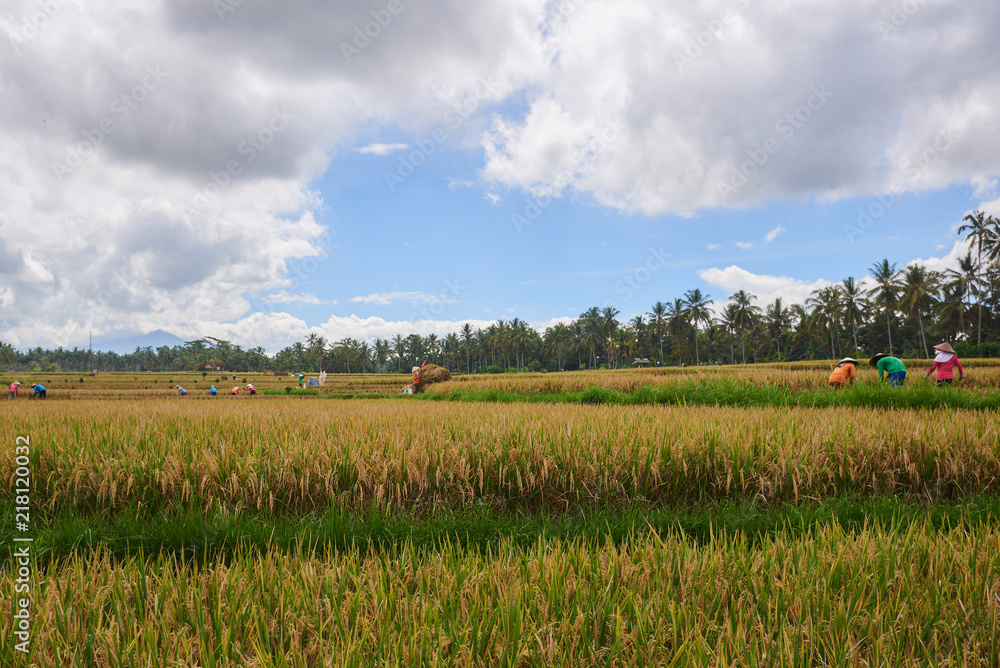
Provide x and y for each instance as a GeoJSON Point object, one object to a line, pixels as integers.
{"type": "Point", "coordinates": [905, 311]}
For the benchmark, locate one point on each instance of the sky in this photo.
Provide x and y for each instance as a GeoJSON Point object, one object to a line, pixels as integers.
{"type": "Point", "coordinates": [258, 171]}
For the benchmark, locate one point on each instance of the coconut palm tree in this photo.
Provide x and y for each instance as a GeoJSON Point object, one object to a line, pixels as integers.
{"type": "Point", "coordinates": [919, 287]}
{"type": "Point", "coordinates": [697, 313]}
{"type": "Point", "coordinates": [745, 314]}
{"type": "Point", "coordinates": [676, 323]}
{"type": "Point", "coordinates": [658, 315]}
{"type": "Point", "coordinates": [467, 339]}
{"type": "Point", "coordinates": [852, 300]}
{"type": "Point", "coordinates": [886, 291]}
{"type": "Point", "coordinates": [826, 304]}
{"type": "Point", "coordinates": [779, 319]}
{"type": "Point", "coordinates": [979, 228]}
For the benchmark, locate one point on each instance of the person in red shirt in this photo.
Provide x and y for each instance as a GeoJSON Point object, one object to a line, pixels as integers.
{"type": "Point", "coordinates": [945, 362]}
{"type": "Point", "coordinates": [843, 374]}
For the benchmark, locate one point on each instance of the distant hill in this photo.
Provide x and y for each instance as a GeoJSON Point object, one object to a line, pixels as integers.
{"type": "Point", "coordinates": [128, 344]}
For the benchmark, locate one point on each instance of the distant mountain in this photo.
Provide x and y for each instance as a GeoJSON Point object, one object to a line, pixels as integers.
{"type": "Point", "coordinates": [128, 344]}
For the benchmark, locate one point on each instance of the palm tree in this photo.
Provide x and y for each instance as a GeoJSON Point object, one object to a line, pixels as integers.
{"type": "Point", "coordinates": [852, 300]}
{"type": "Point", "coordinates": [886, 291]}
{"type": "Point", "coordinates": [745, 312]}
{"type": "Point", "coordinates": [676, 323]}
{"type": "Point", "coordinates": [467, 339]}
{"type": "Point", "coordinates": [952, 309]}
{"type": "Point", "coordinates": [729, 320]}
{"type": "Point", "coordinates": [697, 313]}
{"type": "Point", "coordinates": [979, 228]}
{"type": "Point", "coordinates": [918, 294]}
{"type": "Point", "coordinates": [398, 344]}
{"type": "Point", "coordinates": [7, 354]}
{"type": "Point", "coordinates": [826, 305]}
{"type": "Point", "coordinates": [778, 319]}
{"type": "Point", "coordinates": [658, 315]}
{"type": "Point", "coordinates": [556, 340]}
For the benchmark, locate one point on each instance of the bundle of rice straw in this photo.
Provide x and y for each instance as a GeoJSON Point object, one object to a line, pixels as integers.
{"type": "Point", "coordinates": [429, 374]}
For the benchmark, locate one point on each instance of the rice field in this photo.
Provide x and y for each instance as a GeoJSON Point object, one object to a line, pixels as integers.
{"type": "Point", "coordinates": [129, 499]}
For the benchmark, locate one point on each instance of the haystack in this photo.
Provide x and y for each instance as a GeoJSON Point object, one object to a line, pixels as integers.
{"type": "Point", "coordinates": [430, 374]}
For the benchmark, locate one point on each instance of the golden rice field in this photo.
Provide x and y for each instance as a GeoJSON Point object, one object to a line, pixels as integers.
{"type": "Point", "coordinates": [298, 455]}
{"type": "Point", "coordinates": [877, 595]}
{"type": "Point", "coordinates": [828, 599]}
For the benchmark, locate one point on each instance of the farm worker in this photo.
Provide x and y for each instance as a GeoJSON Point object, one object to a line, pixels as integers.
{"type": "Point", "coordinates": [213, 391]}
{"type": "Point", "coordinates": [236, 390]}
{"type": "Point", "coordinates": [889, 365]}
{"type": "Point", "coordinates": [843, 373]}
{"type": "Point", "coordinates": [416, 374]}
{"type": "Point", "coordinates": [181, 391]}
{"type": "Point", "coordinates": [12, 390]}
{"type": "Point", "coordinates": [301, 379]}
{"type": "Point", "coordinates": [251, 389]}
{"type": "Point", "coordinates": [39, 391]}
{"type": "Point", "coordinates": [945, 361]}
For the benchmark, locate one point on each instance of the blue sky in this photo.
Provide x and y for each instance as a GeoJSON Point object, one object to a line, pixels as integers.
{"type": "Point", "coordinates": [260, 172]}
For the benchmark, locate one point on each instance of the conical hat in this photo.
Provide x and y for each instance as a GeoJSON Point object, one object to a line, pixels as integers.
{"type": "Point", "coordinates": [945, 348]}
{"type": "Point", "coordinates": [874, 361]}
{"type": "Point", "coordinates": [848, 359]}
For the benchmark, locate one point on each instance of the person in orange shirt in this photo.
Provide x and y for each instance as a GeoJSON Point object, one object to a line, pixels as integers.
{"type": "Point", "coordinates": [236, 390]}
{"type": "Point", "coordinates": [843, 374]}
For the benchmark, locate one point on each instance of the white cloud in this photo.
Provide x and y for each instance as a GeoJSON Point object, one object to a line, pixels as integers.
{"type": "Point", "coordinates": [984, 188]}
{"type": "Point", "coordinates": [869, 113]}
{"type": "Point", "coordinates": [947, 261]}
{"type": "Point", "coordinates": [381, 149]}
{"type": "Point", "coordinates": [493, 198]}
{"type": "Point", "coordinates": [766, 288]}
{"type": "Point", "coordinates": [285, 297]}
{"type": "Point", "coordinates": [745, 245]}
{"type": "Point", "coordinates": [773, 234]}
{"type": "Point", "coordinates": [714, 247]}
{"type": "Point", "coordinates": [413, 297]}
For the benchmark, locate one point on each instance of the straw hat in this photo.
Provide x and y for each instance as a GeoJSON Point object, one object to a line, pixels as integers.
{"type": "Point", "coordinates": [848, 359]}
{"type": "Point", "coordinates": [945, 348]}
{"type": "Point", "coordinates": [874, 361]}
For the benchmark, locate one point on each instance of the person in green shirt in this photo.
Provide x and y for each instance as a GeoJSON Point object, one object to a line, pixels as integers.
{"type": "Point", "coordinates": [889, 365]}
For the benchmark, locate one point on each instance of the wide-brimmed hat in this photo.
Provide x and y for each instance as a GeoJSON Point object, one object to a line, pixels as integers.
{"type": "Point", "coordinates": [874, 361]}
{"type": "Point", "coordinates": [848, 359]}
{"type": "Point", "coordinates": [16, 382]}
{"type": "Point", "coordinates": [945, 348]}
